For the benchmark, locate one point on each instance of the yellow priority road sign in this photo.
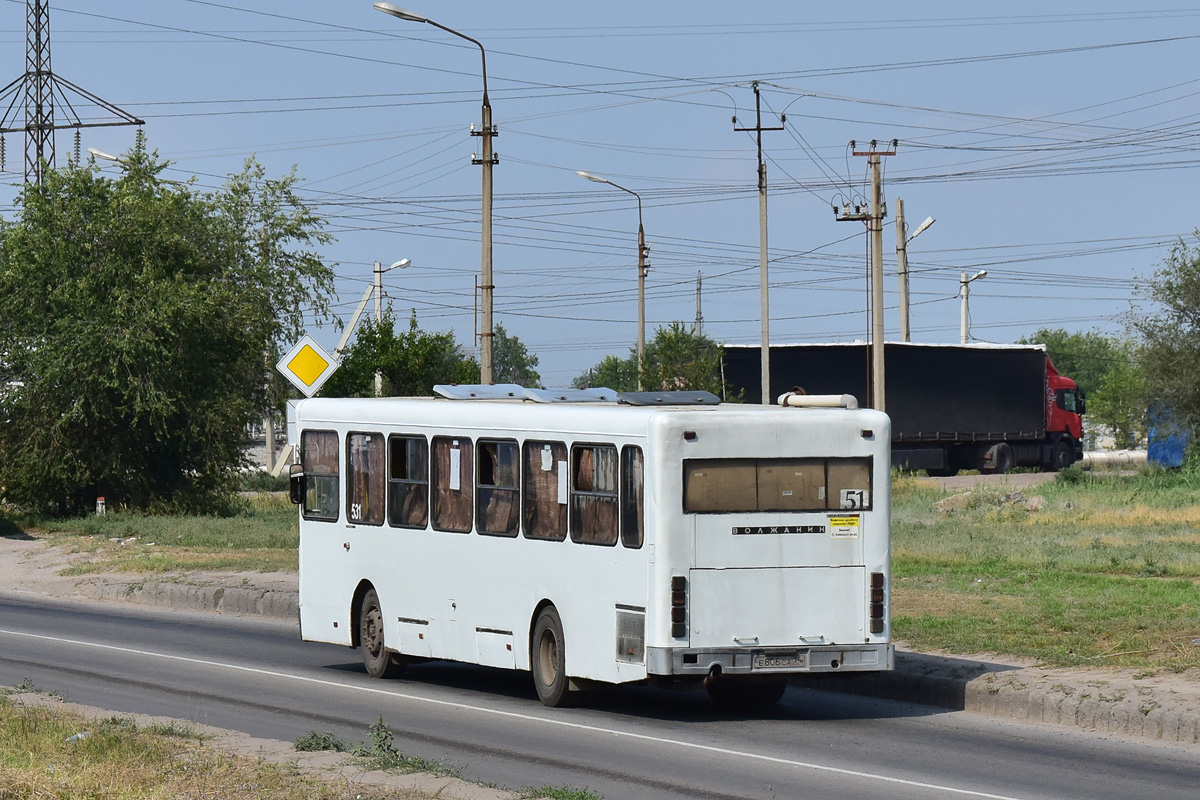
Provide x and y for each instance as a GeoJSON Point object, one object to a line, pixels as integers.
{"type": "Point", "coordinates": [307, 365]}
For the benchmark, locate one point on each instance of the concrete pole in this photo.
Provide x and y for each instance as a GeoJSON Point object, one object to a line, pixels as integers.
{"type": "Point", "coordinates": [763, 282]}
{"type": "Point", "coordinates": [485, 355]}
{"type": "Point", "coordinates": [963, 289]}
{"type": "Point", "coordinates": [877, 334]}
{"type": "Point", "coordinates": [641, 333]}
{"type": "Point", "coordinates": [902, 267]}
{"type": "Point", "coordinates": [378, 319]}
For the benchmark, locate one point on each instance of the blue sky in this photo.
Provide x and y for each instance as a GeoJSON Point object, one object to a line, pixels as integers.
{"type": "Point", "coordinates": [1055, 145]}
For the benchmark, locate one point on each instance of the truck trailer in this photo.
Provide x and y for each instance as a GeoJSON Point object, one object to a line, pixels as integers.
{"type": "Point", "coordinates": [953, 407]}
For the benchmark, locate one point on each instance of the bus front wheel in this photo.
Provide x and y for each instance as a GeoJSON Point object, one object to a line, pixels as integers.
{"type": "Point", "coordinates": [549, 660]}
{"type": "Point", "coordinates": [380, 663]}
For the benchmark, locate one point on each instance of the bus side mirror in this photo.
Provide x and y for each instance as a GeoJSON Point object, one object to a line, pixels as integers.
{"type": "Point", "coordinates": [296, 483]}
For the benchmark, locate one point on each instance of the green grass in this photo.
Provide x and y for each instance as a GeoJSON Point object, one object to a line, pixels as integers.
{"type": "Point", "coordinates": [261, 537]}
{"type": "Point", "coordinates": [1107, 571]}
{"type": "Point", "coordinates": [52, 753]}
{"type": "Point", "coordinates": [559, 793]}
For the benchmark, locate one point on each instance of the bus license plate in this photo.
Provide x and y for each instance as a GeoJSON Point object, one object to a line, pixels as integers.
{"type": "Point", "coordinates": [780, 661]}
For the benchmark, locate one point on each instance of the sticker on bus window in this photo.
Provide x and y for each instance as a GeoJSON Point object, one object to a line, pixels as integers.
{"type": "Point", "coordinates": [844, 526]}
{"type": "Point", "coordinates": [562, 483]}
{"type": "Point", "coordinates": [855, 498]}
{"type": "Point", "coordinates": [455, 470]}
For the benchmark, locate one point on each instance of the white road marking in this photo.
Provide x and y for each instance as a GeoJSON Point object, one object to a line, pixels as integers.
{"type": "Point", "coordinates": [516, 715]}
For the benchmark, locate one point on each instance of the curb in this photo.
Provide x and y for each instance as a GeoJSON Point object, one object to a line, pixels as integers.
{"type": "Point", "coordinates": [1108, 704]}
{"type": "Point", "coordinates": [187, 597]}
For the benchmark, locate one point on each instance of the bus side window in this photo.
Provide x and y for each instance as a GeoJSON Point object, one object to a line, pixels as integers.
{"type": "Point", "coordinates": [408, 482]}
{"type": "Point", "coordinates": [594, 512]}
{"type": "Point", "coordinates": [633, 497]}
{"type": "Point", "coordinates": [365, 478]}
{"type": "Point", "coordinates": [451, 484]}
{"type": "Point", "coordinates": [498, 491]}
{"type": "Point", "coordinates": [319, 455]}
{"type": "Point", "coordinates": [544, 468]}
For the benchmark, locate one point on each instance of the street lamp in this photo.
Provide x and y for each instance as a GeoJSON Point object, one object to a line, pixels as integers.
{"type": "Point", "coordinates": [643, 251]}
{"type": "Point", "coordinates": [379, 270]}
{"type": "Point", "coordinates": [488, 160]}
{"type": "Point", "coordinates": [902, 240]}
{"type": "Point", "coordinates": [963, 291]}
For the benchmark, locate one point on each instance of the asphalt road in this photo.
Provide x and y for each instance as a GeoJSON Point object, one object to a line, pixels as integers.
{"type": "Point", "coordinates": [634, 742]}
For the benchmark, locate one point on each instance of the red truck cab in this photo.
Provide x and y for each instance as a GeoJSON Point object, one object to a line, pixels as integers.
{"type": "Point", "coordinates": [1064, 421]}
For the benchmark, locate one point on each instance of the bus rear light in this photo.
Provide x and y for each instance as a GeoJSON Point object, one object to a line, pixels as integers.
{"type": "Point", "coordinates": [877, 602]}
{"type": "Point", "coordinates": [678, 607]}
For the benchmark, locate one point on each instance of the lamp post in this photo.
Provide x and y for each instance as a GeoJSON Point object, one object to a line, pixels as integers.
{"type": "Point", "coordinates": [902, 240]}
{"type": "Point", "coordinates": [643, 251]}
{"type": "Point", "coordinates": [379, 270]}
{"type": "Point", "coordinates": [963, 283]}
{"type": "Point", "coordinates": [488, 160]}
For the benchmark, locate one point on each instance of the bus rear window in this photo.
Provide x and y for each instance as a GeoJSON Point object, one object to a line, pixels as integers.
{"type": "Point", "coordinates": [739, 485]}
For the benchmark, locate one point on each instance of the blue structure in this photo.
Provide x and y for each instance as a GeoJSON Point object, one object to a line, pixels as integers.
{"type": "Point", "coordinates": [1167, 439]}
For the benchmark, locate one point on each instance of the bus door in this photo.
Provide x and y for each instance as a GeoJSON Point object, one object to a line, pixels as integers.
{"type": "Point", "coordinates": [778, 550]}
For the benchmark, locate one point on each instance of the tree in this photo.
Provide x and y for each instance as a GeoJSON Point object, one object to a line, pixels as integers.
{"type": "Point", "coordinates": [412, 362]}
{"type": "Point", "coordinates": [274, 232]}
{"type": "Point", "coordinates": [1120, 403]}
{"type": "Point", "coordinates": [611, 372]}
{"type": "Point", "coordinates": [1086, 358]}
{"type": "Point", "coordinates": [676, 359]}
{"type": "Point", "coordinates": [136, 312]}
{"type": "Point", "coordinates": [1170, 337]}
{"type": "Point", "coordinates": [1109, 372]}
{"type": "Point", "coordinates": [511, 360]}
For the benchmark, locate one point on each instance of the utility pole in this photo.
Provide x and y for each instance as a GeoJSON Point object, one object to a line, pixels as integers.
{"type": "Point", "coordinates": [763, 283]}
{"type": "Point", "coordinates": [902, 267]}
{"type": "Point", "coordinates": [902, 240]}
{"type": "Point", "coordinates": [874, 220]}
{"type": "Point", "coordinates": [699, 329]}
{"type": "Point", "coordinates": [42, 91]}
{"type": "Point", "coordinates": [964, 283]}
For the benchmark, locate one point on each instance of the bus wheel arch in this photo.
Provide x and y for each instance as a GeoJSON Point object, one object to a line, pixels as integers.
{"type": "Point", "coordinates": [547, 658]}
{"type": "Point", "coordinates": [368, 633]}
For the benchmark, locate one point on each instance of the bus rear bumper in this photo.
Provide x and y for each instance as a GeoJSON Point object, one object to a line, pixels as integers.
{"type": "Point", "coordinates": [682, 661]}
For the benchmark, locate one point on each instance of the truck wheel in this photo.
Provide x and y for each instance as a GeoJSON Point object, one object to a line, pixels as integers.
{"type": "Point", "coordinates": [549, 660]}
{"type": "Point", "coordinates": [1064, 454]}
{"type": "Point", "coordinates": [1002, 461]}
{"type": "Point", "coordinates": [380, 663]}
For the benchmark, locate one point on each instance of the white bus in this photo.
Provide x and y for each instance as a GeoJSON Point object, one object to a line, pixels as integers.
{"type": "Point", "coordinates": [592, 538]}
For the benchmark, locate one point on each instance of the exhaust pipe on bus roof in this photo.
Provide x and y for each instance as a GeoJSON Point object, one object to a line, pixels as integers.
{"type": "Point", "coordinates": [798, 399]}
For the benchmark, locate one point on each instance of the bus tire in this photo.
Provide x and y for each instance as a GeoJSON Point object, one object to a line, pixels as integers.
{"type": "Point", "coordinates": [379, 661]}
{"type": "Point", "coordinates": [747, 692]}
{"type": "Point", "coordinates": [549, 661]}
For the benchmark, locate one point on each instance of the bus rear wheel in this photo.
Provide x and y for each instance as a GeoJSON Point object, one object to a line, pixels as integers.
{"type": "Point", "coordinates": [380, 663]}
{"type": "Point", "coordinates": [747, 692]}
{"type": "Point", "coordinates": [549, 661]}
